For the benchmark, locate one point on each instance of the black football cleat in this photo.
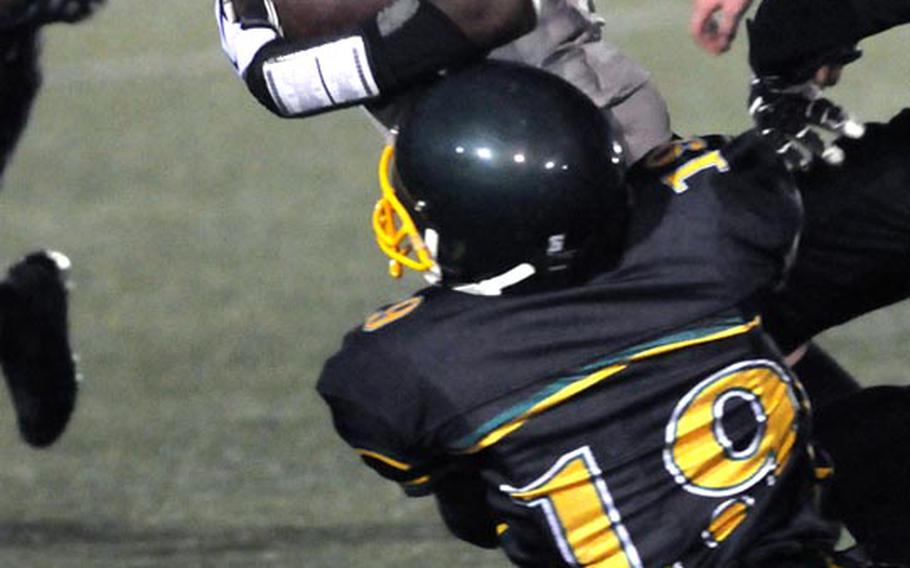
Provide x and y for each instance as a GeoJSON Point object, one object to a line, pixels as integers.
{"type": "Point", "coordinates": [34, 346]}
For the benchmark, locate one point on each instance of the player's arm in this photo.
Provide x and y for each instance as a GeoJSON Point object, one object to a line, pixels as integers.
{"type": "Point", "coordinates": [759, 218]}
{"type": "Point", "coordinates": [788, 35]}
{"type": "Point", "coordinates": [380, 445]}
{"type": "Point", "coordinates": [20, 76]}
{"type": "Point", "coordinates": [386, 442]}
{"type": "Point", "coordinates": [459, 492]}
{"type": "Point", "coordinates": [295, 69]}
{"type": "Point", "coordinates": [795, 49]}
{"type": "Point", "coordinates": [801, 27]}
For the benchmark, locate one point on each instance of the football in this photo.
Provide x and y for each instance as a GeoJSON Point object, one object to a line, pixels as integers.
{"type": "Point", "coordinates": [303, 19]}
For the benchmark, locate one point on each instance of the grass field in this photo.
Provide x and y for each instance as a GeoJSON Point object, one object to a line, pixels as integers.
{"type": "Point", "coordinates": [219, 256]}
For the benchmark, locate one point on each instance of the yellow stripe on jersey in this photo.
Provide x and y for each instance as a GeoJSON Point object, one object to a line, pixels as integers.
{"type": "Point", "coordinates": [400, 466]}
{"type": "Point", "coordinates": [727, 333]}
{"type": "Point", "coordinates": [554, 400]}
{"type": "Point", "coordinates": [396, 465]}
{"type": "Point", "coordinates": [419, 481]}
{"type": "Point", "coordinates": [566, 388]}
{"type": "Point", "coordinates": [823, 473]}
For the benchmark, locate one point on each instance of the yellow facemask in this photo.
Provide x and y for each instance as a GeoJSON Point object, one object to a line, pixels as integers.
{"type": "Point", "coordinates": [396, 234]}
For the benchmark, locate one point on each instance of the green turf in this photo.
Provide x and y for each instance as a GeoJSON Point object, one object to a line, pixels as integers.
{"type": "Point", "coordinates": [219, 255]}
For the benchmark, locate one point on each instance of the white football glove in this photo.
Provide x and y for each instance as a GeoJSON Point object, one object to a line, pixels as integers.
{"type": "Point", "coordinates": [241, 39]}
{"type": "Point", "coordinates": [800, 122]}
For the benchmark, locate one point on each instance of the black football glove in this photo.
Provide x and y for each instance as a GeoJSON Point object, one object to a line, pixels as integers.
{"type": "Point", "coordinates": [15, 14]}
{"type": "Point", "coordinates": [799, 122]}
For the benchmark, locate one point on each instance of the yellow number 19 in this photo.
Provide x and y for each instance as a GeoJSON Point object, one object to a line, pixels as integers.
{"type": "Point", "coordinates": [699, 454]}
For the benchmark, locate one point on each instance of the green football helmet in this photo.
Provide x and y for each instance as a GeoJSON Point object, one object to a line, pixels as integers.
{"type": "Point", "coordinates": [500, 174]}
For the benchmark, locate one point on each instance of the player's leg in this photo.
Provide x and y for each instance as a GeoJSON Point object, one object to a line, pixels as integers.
{"type": "Point", "coordinates": [34, 346]}
{"type": "Point", "coordinates": [618, 84]}
{"type": "Point", "coordinates": [868, 436]}
{"type": "Point", "coordinates": [823, 378]}
{"type": "Point", "coordinates": [20, 73]}
{"type": "Point", "coordinates": [865, 433]}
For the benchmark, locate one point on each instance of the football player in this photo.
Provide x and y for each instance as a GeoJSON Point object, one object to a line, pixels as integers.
{"type": "Point", "coordinates": [310, 74]}
{"type": "Point", "coordinates": [35, 353]}
{"type": "Point", "coordinates": [586, 382]}
{"type": "Point", "coordinates": [305, 57]}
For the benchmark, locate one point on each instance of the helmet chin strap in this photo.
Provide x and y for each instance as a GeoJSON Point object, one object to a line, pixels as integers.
{"type": "Point", "coordinates": [433, 276]}
{"type": "Point", "coordinates": [495, 285]}
{"type": "Point", "coordinates": [489, 287]}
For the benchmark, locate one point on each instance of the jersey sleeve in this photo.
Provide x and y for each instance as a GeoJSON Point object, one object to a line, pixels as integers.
{"type": "Point", "coordinates": [716, 217]}
{"type": "Point", "coordinates": [376, 413]}
{"type": "Point", "coordinates": [760, 216]}
{"type": "Point", "coordinates": [788, 34]}
{"type": "Point", "coordinates": [379, 447]}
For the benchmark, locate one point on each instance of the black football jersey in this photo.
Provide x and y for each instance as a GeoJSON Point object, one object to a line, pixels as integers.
{"type": "Point", "coordinates": [640, 419]}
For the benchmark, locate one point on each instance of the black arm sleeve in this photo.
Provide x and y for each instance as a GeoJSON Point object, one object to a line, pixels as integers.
{"type": "Point", "coordinates": [788, 34]}
{"type": "Point", "coordinates": [20, 79]}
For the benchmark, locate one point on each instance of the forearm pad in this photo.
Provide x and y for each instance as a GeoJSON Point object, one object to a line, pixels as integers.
{"type": "Point", "coordinates": [298, 79]}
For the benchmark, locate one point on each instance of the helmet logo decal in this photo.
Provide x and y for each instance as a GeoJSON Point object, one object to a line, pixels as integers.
{"type": "Point", "coordinates": [556, 244]}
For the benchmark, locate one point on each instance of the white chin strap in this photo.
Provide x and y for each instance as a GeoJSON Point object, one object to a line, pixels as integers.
{"type": "Point", "coordinates": [495, 285]}
{"type": "Point", "coordinates": [489, 287]}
